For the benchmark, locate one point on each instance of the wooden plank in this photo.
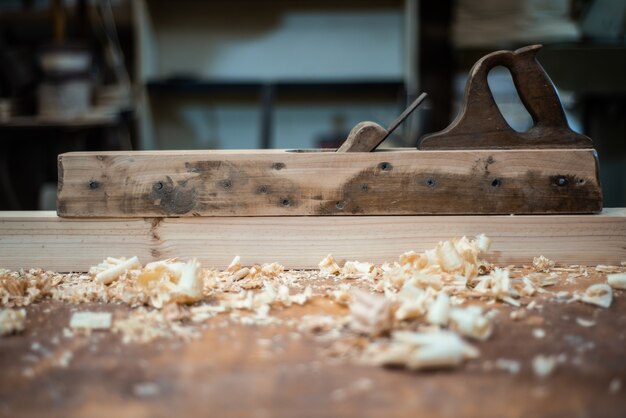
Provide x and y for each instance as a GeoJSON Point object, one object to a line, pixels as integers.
{"type": "Point", "coordinates": [41, 239]}
{"type": "Point", "coordinates": [279, 182]}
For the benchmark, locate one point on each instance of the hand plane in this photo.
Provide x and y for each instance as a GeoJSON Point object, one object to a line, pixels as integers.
{"type": "Point", "coordinates": [478, 165]}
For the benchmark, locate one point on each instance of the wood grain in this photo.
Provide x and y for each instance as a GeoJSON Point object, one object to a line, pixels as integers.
{"type": "Point", "coordinates": [278, 182]}
{"type": "Point", "coordinates": [41, 239]}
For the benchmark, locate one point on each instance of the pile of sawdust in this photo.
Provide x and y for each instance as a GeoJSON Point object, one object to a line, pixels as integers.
{"type": "Point", "coordinates": [422, 311]}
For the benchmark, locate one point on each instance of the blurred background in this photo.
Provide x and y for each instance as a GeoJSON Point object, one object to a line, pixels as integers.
{"type": "Point", "coordinates": [243, 74]}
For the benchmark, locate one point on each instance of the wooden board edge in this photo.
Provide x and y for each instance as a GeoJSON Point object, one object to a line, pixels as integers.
{"type": "Point", "coordinates": [41, 239]}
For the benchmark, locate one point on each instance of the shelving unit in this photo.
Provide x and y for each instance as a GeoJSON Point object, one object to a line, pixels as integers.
{"type": "Point", "coordinates": [213, 77]}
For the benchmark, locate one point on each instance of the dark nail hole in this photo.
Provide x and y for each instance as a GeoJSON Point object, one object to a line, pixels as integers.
{"type": "Point", "coordinates": [341, 204]}
{"type": "Point", "coordinates": [278, 166]}
{"type": "Point", "coordinates": [496, 183]}
{"type": "Point", "coordinates": [430, 182]}
{"type": "Point", "coordinates": [364, 187]}
{"type": "Point", "coordinates": [158, 185]}
{"type": "Point", "coordinates": [227, 184]}
{"type": "Point", "coordinates": [561, 181]}
{"type": "Point", "coordinates": [93, 184]}
{"type": "Point", "coordinates": [285, 202]}
{"type": "Point", "coordinates": [385, 166]}
{"type": "Point", "coordinates": [262, 190]}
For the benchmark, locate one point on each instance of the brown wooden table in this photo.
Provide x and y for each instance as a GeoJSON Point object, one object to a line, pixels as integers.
{"type": "Point", "coordinates": [276, 371]}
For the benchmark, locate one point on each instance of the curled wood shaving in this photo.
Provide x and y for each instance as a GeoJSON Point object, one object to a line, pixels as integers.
{"type": "Point", "coordinates": [471, 322]}
{"type": "Point", "coordinates": [329, 266]}
{"type": "Point", "coordinates": [112, 268]}
{"type": "Point", "coordinates": [372, 314]}
{"type": "Point", "coordinates": [234, 265]}
{"type": "Point", "coordinates": [272, 270]}
{"type": "Point", "coordinates": [413, 302]}
{"type": "Point", "coordinates": [342, 294]}
{"type": "Point", "coordinates": [239, 274]}
{"type": "Point", "coordinates": [439, 310]}
{"type": "Point", "coordinates": [599, 294]}
{"type": "Point", "coordinates": [415, 350]}
{"type": "Point", "coordinates": [617, 280]}
{"type": "Point", "coordinates": [26, 287]}
{"type": "Point", "coordinates": [601, 268]}
{"type": "Point", "coordinates": [12, 321]}
{"type": "Point", "coordinates": [542, 264]}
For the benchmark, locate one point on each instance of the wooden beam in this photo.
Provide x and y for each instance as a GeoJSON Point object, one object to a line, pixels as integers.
{"type": "Point", "coordinates": [279, 182]}
{"type": "Point", "coordinates": [41, 239]}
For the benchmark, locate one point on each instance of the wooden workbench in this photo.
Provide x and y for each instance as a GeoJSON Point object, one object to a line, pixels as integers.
{"type": "Point", "coordinates": [274, 371]}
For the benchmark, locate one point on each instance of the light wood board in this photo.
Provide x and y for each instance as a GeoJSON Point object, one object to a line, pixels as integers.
{"type": "Point", "coordinates": [41, 239]}
{"type": "Point", "coordinates": [279, 183]}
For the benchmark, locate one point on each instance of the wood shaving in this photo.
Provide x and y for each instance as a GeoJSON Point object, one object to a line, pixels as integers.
{"type": "Point", "coordinates": [355, 269]}
{"type": "Point", "coordinates": [599, 294]}
{"type": "Point", "coordinates": [12, 321]}
{"type": "Point", "coordinates": [112, 268]}
{"type": "Point", "coordinates": [585, 322]}
{"type": "Point", "coordinates": [511, 366]}
{"type": "Point", "coordinates": [542, 264]}
{"type": "Point", "coordinates": [471, 322]}
{"type": "Point", "coordinates": [64, 359]}
{"type": "Point", "coordinates": [439, 310]}
{"type": "Point", "coordinates": [371, 314]}
{"type": "Point", "coordinates": [91, 320]}
{"type": "Point", "coordinates": [27, 287]}
{"type": "Point", "coordinates": [539, 333]}
{"type": "Point", "coordinates": [543, 366]}
{"type": "Point", "coordinates": [329, 266]}
{"type": "Point", "coordinates": [601, 268]}
{"type": "Point", "coordinates": [144, 326]}
{"type": "Point", "coordinates": [518, 314]}
{"type": "Point", "coordinates": [342, 294]}
{"type": "Point", "coordinates": [272, 270]}
{"type": "Point", "coordinates": [416, 351]}
{"type": "Point", "coordinates": [234, 265]}
{"type": "Point", "coordinates": [542, 280]}
{"type": "Point", "coordinates": [239, 274]}
{"type": "Point", "coordinates": [617, 280]}
{"type": "Point", "coordinates": [416, 312]}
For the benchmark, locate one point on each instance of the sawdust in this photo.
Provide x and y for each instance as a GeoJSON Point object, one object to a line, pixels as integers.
{"type": "Point", "coordinates": [422, 311]}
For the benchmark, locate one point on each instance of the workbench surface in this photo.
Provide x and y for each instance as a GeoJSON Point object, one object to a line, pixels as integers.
{"type": "Point", "coordinates": [233, 369]}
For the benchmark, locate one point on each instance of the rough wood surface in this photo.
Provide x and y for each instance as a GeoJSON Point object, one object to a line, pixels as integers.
{"type": "Point", "coordinates": [41, 239]}
{"type": "Point", "coordinates": [227, 372]}
{"type": "Point", "coordinates": [480, 124]}
{"type": "Point", "coordinates": [278, 182]}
